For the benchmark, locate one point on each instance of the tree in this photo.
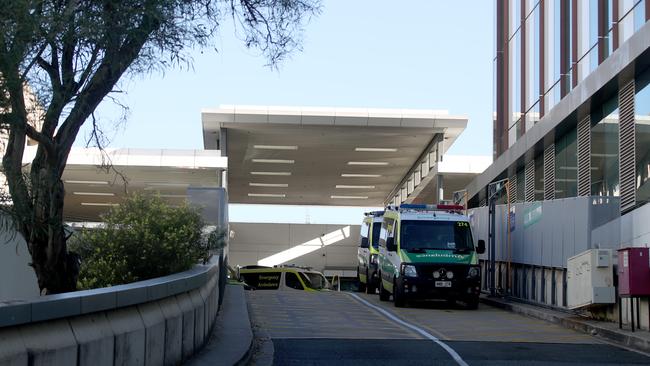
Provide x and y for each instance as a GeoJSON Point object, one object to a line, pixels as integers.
{"type": "Point", "coordinates": [70, 55]}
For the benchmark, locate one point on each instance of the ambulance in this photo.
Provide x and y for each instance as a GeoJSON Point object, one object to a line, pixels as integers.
{"type": "Point", "coordinates": [368, 251]}
{"type": "Point", "coordinates": [284, 277]}
{"type": "Point", "coordinates": [428, 252]}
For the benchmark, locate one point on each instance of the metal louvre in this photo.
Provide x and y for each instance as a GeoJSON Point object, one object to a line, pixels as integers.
{"type": "Point", "coordinates": [529, 178]}
{"type": "Point", "coordinates": [626, 146]}
{"type": "Point", "coordinates": [584, 156]}
{"type": "Point", "coordinates": [512, 188]}
{"type": "Point", "coordinates": [549, 172]}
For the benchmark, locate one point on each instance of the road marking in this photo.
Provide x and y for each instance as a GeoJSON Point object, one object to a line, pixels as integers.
{"type": "Point", "coordinates": [419, 330]}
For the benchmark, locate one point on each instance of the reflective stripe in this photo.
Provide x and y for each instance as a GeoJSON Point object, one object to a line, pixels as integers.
{"type": "Point", "coordinates": [459, 360]}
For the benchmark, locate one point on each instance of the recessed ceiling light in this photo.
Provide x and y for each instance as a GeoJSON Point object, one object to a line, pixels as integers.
{"type": "Point", "coordinates": [276, 147]}
{"type": "Point", "coordinates": [86, 181]}
{"type": "Point", "coordinates": [271, 173]}
{"type": "Point", "coordinates": [274, 161]}
{"type": "Point", "coordinates": [98, 204]}
{"type": "Point", "coordinates": [374, 163]}
{"type": "Point", "coordinates": [344, 186]}
{"type": "Point", "coordinates": [274, 195]}
{"type": "Point", "coordinates": [376, 149]}
{"type": "Point", "coordinates": [268, 185]}
{"type": "Point", "coordinates": [93, 194]}
{"type": "Point", "coordinates": [350, 197]}
{"type": "Point", "coordinates": [360, 175]}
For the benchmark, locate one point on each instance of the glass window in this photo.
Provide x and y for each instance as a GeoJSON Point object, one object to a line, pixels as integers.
{"type": "Point", "coordinates": [639, 15]}
{"type": "Point", "coordinates": [515, 16]}
{"type": "Point", "coordinates": [364, 235]}
{"type": "Point", "coordinates": [532, 58]}
{"type": "Point", "coordinates": [539, 178]}
{"type": "Point", "coordinates": [642, 130]}
{"type": "Point", "coordinates": [557, 39]}
{"type": "Point", "coordinates": [447, 235]}
{"type": "Point", "coordinates": [376, 228]}
{"type": "Point", "coordinates": [593, 33]}
{"type": "Point", "coordinates": [566, 165]}
{"type": "Point", "coordinates": [292, 281]}
{"type": "Point", "coordinates": [551, 53]}
{"type": "Point", "coordinates": [604, 150]}
{"type": "Point", "coordinates": [632, 17]}
{"type": "Point", "coordinates": [387, 230]}
{"type": "Point", "coordinates": [515, 83]}
{"type": "Point", "coordinates": [314, 280]}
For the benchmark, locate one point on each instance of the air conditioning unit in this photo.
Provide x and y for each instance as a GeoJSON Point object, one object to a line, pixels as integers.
{"type": "Point", "coordinates": [590, 279]}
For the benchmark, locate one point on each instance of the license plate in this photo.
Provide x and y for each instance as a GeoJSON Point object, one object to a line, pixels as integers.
{"type": "Point", "coordinates": [443, 283]}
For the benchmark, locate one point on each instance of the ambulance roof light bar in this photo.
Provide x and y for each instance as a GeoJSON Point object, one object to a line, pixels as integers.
{"type": "Point", "coordinates": [439, 207]}
{"type": "Point", "coordinates": [374, 213]}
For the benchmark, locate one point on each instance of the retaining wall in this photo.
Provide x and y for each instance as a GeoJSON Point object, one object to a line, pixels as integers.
{"type": "Point", "coordinates": [162, 321]}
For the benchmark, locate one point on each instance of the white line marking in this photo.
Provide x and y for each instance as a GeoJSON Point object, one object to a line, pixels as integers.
{"type": "Point", "coordinates": [423, 332]}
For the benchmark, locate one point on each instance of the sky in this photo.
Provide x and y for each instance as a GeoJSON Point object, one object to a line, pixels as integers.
{"type": "Point", "coordinates": [426, 54]}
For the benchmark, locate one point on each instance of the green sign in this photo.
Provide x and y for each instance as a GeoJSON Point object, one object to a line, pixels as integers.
{"type": "Point", "coordinates": [533, 214]}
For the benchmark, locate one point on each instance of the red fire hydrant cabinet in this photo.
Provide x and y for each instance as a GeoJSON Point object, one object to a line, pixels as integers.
{"type": "Point", "coordinates": [634, 272]}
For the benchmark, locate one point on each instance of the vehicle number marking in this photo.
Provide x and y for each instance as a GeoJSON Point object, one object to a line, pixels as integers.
{"type": "Point", "coordinates": [443, 283]}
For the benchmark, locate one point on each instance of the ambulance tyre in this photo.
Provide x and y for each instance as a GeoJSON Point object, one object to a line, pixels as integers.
{"type": "Point", "coordinates": [370, 287]}
{"type": "Point", "coordinates": [383, 294]}
{"type": "Point", "coordinates": [362, 286]}
{"type": "Point", "coordinates": [398, 296]}
{"type": "Point", "coordinates": [472, 303]}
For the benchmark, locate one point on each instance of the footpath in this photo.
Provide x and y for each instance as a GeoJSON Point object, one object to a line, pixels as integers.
{"type": "Point", "coordinates": [232, 337]}
{"type": "Point", "coordinates": [607, 331]}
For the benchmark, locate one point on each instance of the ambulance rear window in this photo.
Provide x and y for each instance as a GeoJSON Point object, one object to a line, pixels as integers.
{"type": "Point", "coordinates": [376, 227]}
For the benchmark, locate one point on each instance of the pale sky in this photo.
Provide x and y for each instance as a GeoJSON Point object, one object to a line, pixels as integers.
{"type": "Point", "coordinates": [428, 54]}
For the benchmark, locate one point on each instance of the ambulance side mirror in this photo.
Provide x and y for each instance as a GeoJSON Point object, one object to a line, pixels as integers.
{"type": "Point", "coordinates": [481, 246]}
{"type": "Point", "coordinates": [364, 242]}
{"type": "Point", "coordinates": [390, 244]}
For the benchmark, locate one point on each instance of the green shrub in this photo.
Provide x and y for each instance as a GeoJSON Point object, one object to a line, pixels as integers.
{"type": "Point", "coordinates": [143, 238]}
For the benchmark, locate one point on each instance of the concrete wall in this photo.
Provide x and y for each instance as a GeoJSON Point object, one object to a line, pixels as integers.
{"type": "Point", "coordinates": [17, 278]}
{"type": "Point", "coordinates": [312, 245]}
{"type": "Point", "coordinates": [165, 331]}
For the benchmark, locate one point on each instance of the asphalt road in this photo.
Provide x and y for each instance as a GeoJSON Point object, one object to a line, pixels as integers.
{"type": "Point", "coordinates": [332, 328]}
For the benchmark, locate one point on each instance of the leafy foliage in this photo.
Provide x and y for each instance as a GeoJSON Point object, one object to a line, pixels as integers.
{"type": "Point", "coordinates": [143, 238]}
{"type": "Point", "coordinates": [59, 59]}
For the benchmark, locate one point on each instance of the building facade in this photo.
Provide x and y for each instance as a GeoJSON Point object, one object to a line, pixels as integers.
{"type": "Point", "coordinates": [572, 122]}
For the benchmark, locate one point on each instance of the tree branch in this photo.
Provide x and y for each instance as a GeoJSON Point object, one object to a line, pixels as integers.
{"type": "Point", "coordinates": [33, 61]}
{"type": "Point", "coordinates": [41, 138]}
{"type": "Point", "coordinates": [102, 82]}
{"type": "Point", "coordinates": [51, 71]}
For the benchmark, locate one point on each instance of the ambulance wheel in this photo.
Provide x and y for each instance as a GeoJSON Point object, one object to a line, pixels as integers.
{"type": "Point", "coordinates": [383, 294]}
{"type": "Point", "coordinates": [398, 296]}
{"type": "Point", "coordinates": [370, 287]}
{"type": "Point", "coordinates": [362, 286]}
{"type": "Point", "coordinates": [472, 304]}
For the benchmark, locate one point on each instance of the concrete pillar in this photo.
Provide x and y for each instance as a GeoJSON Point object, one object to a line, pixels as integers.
{"type": "Point", "coordinates": [440, 185]}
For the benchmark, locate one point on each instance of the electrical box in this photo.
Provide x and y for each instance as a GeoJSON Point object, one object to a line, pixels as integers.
{"type": "Point", "coordinates": [634, 272]}
{"type": "Point", "coordinates": [590, 279]}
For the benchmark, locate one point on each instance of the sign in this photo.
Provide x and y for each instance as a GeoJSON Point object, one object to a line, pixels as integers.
{"type": "Point", "coordinates": [512, 218]}
{"type": "Point", "coordinates": [533, 214]}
